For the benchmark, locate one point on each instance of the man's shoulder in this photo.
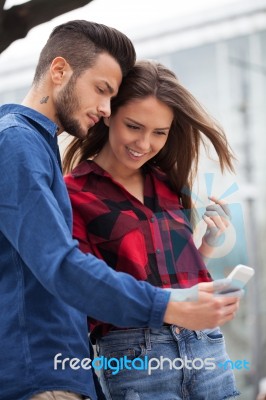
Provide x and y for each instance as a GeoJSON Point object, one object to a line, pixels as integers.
{"type": "Point", "coordinates": [8, 119]}
{"type": "Point", "coordinates": [20, 140]}
{"type": "Point", "coordinates": [11, 121]}
{"type": "Point", "coordinates": [14, 116]}
{"type": "Point", "coordinates": [15, 131]}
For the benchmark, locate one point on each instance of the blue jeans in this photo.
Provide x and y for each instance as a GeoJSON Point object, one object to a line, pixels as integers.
{"type": "Point", "coordinates": [145, 364]}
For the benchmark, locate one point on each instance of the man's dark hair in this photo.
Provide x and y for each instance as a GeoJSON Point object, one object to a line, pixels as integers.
{"type": "Point", "coordinates": [80, 42]}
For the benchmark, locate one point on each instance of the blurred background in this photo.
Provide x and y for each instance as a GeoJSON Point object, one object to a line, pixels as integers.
{"type": "Point", "coordinates": [218, 51]}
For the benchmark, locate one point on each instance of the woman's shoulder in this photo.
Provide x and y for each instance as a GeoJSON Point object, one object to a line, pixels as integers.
{"type": "Point", "coordinates": [78, 176]}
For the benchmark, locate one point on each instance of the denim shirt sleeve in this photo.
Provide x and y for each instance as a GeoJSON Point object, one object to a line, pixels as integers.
{"type": "Point", "coordinates": [33, 222]}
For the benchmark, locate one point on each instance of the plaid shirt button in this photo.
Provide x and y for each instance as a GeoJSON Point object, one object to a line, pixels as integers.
{"type": "Point", "coordinates": [152, 219]}
{"type": "Point", "coordinates": [158, 251]}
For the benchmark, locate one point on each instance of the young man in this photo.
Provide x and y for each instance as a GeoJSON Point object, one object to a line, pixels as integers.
{"type": "Point", "coordinates": [47, 285]}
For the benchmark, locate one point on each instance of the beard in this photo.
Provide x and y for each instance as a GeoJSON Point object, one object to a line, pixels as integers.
{"type": "Point", "coordinates": [66, 104]}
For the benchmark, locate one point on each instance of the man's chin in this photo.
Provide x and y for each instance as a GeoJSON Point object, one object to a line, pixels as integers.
{"type": "Point", "coordinates": [78, 134]}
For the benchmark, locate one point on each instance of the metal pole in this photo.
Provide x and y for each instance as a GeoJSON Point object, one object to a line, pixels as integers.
{"type": "Point", "coordinates": [254, 297]}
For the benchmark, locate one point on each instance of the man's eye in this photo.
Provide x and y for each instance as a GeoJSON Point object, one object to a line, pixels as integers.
{"type": "Point", "coordinates": [100, 90]}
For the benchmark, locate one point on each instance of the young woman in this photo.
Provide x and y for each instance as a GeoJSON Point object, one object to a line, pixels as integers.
{"type": "Point", "coordinates": [131, 202]}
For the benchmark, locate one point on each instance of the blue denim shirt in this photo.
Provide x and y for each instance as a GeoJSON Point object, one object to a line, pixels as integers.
{"type": "Point", "coordinates": [47, 285]}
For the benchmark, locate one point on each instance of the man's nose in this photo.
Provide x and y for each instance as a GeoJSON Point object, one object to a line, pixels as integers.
{"type": "Point", "coordinates": [104, 108]}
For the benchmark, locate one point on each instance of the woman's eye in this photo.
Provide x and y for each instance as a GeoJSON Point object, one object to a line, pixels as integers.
{"type": "Point", "coordinates": [132, 126]}
{"type": "Point", "coordinates": [161, 133]}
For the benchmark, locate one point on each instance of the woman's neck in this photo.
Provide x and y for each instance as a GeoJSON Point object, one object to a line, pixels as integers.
{"type": "Point", "coordinates": [131, 180]}
{"type": "Point", "coordinates": [114, 167]}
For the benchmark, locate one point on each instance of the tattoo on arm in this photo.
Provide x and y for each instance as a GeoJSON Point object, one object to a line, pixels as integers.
{"type": "Point", "coordinates": [44, 100]}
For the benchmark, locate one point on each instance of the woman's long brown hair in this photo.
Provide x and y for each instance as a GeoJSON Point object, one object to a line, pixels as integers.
{"type": "Point", "coordinates": [191, 126]}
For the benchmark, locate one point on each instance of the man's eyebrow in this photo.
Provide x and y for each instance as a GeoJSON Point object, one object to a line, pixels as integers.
{"type": "Point", "coordinates": [109, 87]}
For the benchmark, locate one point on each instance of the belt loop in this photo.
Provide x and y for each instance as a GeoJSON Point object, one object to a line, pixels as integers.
{"type": "Point", "coordinates": [97, 347]}
{"type": "Point", "coordinates": [147, 336]}
{"type": "Point", "coordinates": [198, 334]}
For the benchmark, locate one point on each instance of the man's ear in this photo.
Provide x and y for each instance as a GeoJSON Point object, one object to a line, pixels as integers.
{"type": "Point", "coordinates": [106, 121]}
{"type": "Point", "coordinates": [59, 70]}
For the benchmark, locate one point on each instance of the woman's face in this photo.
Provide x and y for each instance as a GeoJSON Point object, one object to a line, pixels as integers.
{"type": "Point", "coordinates": [137, 132]}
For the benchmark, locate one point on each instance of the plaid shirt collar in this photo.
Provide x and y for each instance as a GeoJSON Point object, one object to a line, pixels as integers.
{"type": "Point", "coordinates": [167, 198]}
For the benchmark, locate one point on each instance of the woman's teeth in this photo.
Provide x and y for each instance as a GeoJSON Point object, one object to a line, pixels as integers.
{"type": "Point", "coordinates": [135, 153]}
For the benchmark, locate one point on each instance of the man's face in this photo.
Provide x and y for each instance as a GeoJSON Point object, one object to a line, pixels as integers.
{"type": "Point", "coordinates": [81, 102]}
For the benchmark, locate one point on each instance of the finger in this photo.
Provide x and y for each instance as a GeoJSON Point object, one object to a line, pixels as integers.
{"type": "Point", "coordinates": [218, 209]}
{"type": "Point", "coordinates": [215, 286]}
{"type": "Point", "coordinates": [216, 200]}
{"type": "Point", "coordinates": [212, 231]}
{"type": "Point", "coordinates": [223, 205]}
{"type": "Point", "coordinates": [237, 294]}
{"type": "Point", "coordinates": [227, 318]}
{"type": "Point", "coordinates": [231, 309]}
{"type": "Point", "coordinates": [210, 223]}
{"type": "Point", "coordinates": [212, 219]}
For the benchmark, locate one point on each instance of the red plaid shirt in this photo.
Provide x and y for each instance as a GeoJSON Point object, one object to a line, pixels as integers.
{"type": "Point", "coordinates": [151, 241]}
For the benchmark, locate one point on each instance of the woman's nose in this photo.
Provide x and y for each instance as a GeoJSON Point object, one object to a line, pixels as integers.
{"type": "Point", "coordinates": [143, 143]}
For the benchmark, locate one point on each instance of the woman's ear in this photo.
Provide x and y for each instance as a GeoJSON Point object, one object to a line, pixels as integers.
{"type": "Point", "coordinates": [106, 121]}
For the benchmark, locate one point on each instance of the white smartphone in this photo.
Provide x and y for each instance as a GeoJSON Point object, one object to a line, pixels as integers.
{"type": "Point", "coordinates": [240, 276]}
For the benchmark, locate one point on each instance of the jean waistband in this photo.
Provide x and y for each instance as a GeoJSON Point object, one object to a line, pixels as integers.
{"type": "Point", "coordinates": [167, 333]}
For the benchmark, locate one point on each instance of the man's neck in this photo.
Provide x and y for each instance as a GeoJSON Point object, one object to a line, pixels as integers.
{"type": "Point", "coordinates": [40, 99]}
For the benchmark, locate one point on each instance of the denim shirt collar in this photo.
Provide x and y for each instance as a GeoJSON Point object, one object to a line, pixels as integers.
{"type": "Point", "coordinates": [47, 128]}
{"type": "Point", "coordinates": [32, 114]}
